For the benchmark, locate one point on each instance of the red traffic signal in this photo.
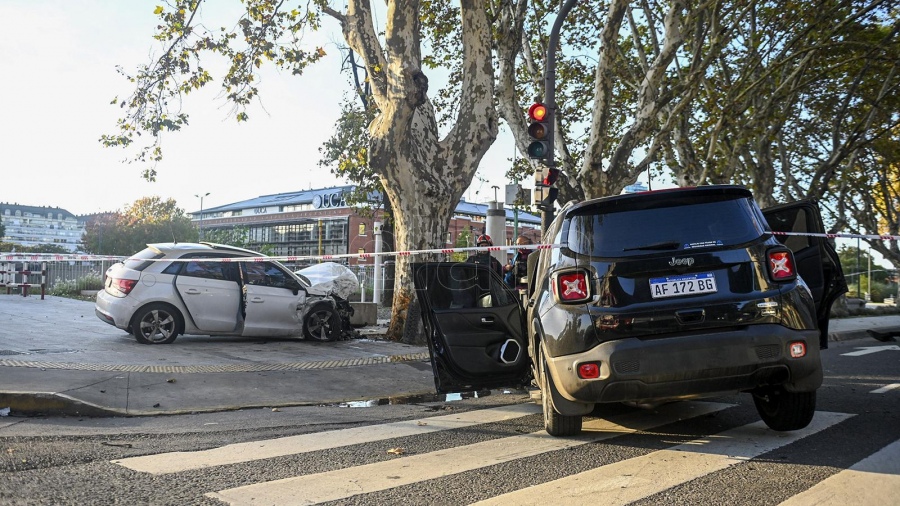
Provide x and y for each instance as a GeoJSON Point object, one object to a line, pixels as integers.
{"type": "Point", "coordinates": [551, 177]}
{"type": "Point", "coordinates": [537, 112]}
{"type": "Point", "coordinates": [539, 130]}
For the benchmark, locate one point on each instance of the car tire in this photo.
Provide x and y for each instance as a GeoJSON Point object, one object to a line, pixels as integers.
{"type": "Point", "coordinates": [555, 424]}
{"type": "Point", "coordinates": [322, 322]}
{"type": "Point", "coordinates": [156, 324]}
{"type": "Point", "coordinates": [782, 410]}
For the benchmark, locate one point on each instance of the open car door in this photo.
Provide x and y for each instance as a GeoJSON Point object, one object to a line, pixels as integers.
{"type": "Point", "coordinates": [473, 325]}
{"type": "Point", "coordinates": [817, 261]}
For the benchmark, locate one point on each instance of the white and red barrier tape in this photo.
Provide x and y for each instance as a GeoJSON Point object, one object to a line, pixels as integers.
{"type": "Point", "coordinates": [56, 257]}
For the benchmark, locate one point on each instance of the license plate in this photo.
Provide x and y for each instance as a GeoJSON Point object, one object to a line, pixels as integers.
{"type": "Point", "coordinates": [688, 284]}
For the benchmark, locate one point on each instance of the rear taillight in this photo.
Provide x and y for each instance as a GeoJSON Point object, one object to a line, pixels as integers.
{"type": "Point", "coordinates": [781, 265]}
{"type": "Point", "coordinates": [572, 286]}
{"type": "Point", "coordinates": [123, 285]}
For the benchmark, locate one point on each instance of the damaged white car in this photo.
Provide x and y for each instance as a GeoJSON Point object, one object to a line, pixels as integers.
{"type": "Point", "coordinates": [205, 292]}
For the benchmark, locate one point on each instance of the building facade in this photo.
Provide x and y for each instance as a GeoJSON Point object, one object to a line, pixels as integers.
{"type": "Point", "coordinates": [319, 222]}
{"type": "Point", "coordinates": [33, 226]}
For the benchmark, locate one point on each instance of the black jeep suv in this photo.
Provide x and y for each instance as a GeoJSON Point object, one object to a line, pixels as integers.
{"type": "Point", "coordinates": [647, 298]}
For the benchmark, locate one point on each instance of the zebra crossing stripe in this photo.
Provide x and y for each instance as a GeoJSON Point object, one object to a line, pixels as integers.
{"type": "Point", "coordinates": [634, 479]}
{"type": "Point", "coordinates": [873, 480]}
{"type": "Point", "coordinates": [343, 483]}
{"type": "Point", "coordinates": [885, 389]}
{"type": "Point", "coordinates": [174, 462]}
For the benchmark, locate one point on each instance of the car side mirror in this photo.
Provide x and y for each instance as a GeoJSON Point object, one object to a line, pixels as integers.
{"type": "Point", "coordinates": [294, 286]}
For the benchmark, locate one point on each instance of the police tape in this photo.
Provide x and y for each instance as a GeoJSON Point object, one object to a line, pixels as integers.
{"type": "Point", "coordinates": [57, 257]}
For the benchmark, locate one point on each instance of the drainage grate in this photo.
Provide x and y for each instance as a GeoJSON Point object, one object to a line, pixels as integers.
{"type": "Point", "coordinates": [47, 351]}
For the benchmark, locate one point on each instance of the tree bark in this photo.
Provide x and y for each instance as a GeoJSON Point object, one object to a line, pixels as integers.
{"type": "Point", "coordinates": [424, 175]}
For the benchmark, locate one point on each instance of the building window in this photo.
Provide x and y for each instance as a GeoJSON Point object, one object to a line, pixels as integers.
{"type": "Point", "coordinates": [362, 229]}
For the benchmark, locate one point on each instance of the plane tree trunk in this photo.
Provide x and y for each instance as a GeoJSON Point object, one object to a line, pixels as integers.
{"type": "Point", "coordinates": [424, 174]}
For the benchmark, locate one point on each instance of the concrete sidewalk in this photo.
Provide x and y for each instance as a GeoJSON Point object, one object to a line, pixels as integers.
{"type": "Point", "coordinates": [57, 357]}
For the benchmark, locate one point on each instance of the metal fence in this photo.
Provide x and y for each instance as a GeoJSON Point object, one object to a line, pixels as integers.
{"type": "Point", "coordinates": [58, 277]}
{"type": "Point", "coordinates": [71, 277]}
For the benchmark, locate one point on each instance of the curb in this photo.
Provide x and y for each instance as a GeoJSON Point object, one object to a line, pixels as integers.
{"type": "Point", "coordinates": [55, 404]}
{"type": "Point", "coordinates": [848, 335]}
{"type": "Point", "coordinates": [50, 403]}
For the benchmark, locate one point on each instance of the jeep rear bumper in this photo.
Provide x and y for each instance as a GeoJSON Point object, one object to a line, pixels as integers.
{"type": "Point", "coordinates": [682, 367]}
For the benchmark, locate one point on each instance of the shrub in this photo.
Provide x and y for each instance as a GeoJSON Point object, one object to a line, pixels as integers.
{"type": "Point", "coordinates": [70, 287]}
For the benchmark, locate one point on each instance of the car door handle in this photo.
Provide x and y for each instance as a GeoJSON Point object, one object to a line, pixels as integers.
{"type": "Point", "coordinates": [257, 299]}
{"type": "Point", "coordinates": [192, 291]}
{"type": "Point", "coordinates": [487, 320]}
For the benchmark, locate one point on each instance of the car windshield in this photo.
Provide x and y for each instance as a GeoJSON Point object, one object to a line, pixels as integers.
{"type": "Point", "coordinates": [667, 226]}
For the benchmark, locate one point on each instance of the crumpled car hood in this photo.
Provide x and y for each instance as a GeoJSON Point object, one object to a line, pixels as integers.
{"type": "Point", "coordinates": [329, 278]}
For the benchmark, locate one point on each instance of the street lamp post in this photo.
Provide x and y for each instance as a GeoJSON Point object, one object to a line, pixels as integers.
{"type": "Point", "coordinates": [201, 211]}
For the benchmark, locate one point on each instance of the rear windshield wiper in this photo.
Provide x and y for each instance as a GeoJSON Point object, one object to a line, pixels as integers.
{"type": "Point", "coordinates": [656, 246]}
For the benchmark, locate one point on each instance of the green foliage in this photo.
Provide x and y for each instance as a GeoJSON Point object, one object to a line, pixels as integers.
{"type": "Point", "coordinates": [346, 152]}
{"type": "Point", "coordinates": [463, 240]}
{"type": "Point", "coordinates": [39, 248]}
{"type": "Point", "coordinates": [848, 257]}
{"type": "Point", "coordinates": [148, 220]}
{"type": "Point", "coordinates": [72, 287]}
{"type": "Point", "coordinates": [878, 291]}
{"type": "Point", "coordinates": [2, 228]}
{"type": "Point", "coordinates": [268, 31]}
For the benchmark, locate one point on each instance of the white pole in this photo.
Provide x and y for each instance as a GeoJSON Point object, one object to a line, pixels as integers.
{"type": "Point", "coordinates": [495, 226]}
{"type": "Point", "coordinates": [376, 285]}
{"type": "Point", "coordinates": [869, 279]}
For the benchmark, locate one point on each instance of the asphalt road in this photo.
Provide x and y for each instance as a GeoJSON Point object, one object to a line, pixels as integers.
{"type": "Point", "coordinates": [702, 452]}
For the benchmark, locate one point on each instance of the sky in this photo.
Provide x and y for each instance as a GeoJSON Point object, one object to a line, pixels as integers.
{"type": "Point", "coordinates": [59, 63]}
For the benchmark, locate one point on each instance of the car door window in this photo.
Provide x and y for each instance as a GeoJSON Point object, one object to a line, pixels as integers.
{"type": "Point", "coordinates": [265, 274]}
{"type": "Point", "coordinates": [463, 286]}
{"type": "Point", "coordinates": [205, 269]}
{"type": "Point", "coordinates": [791, 220]}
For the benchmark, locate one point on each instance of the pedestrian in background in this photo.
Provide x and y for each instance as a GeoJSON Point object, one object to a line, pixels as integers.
{"type": "Point", "coordinates": [517, 269]}
{"type": "Point", "coordinates": [485, 257]}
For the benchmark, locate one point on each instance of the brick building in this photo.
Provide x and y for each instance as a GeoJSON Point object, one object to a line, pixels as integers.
{"type": "Point", "coordinates": [319, 222]}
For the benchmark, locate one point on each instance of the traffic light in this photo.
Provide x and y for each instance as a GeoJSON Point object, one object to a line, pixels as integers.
{"type": "Point", "coordinates": [551, 177]}
{"type": "Point", "coordinates": [541, 147]}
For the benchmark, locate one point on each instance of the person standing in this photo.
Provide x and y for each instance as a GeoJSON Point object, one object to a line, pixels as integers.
{"type": "Point", "coordinates": [485, 257]}
{"type": "Point", "coordinates": [517, 269]}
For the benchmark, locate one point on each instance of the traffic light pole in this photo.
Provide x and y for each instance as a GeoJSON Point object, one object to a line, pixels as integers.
{"type": "Point", "coordinates": [550, 101]}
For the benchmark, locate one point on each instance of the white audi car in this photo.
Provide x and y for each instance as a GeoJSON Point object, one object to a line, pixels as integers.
{"type": "Point", "coordinates": [206, 289]}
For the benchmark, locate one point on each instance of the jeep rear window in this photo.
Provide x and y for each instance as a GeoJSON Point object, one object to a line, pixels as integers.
{"type": "Point", "coordinates": [137, 261]}
{"type": "Point", "coordinates": [662, 226]}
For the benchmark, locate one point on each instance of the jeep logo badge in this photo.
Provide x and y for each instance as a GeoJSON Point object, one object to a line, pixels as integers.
{"type": "Point", "coordinates": [689, 261]}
